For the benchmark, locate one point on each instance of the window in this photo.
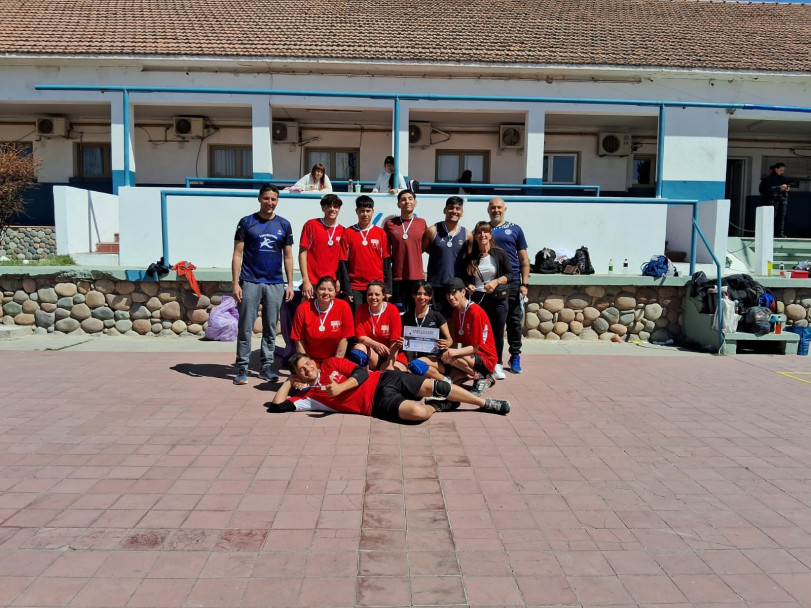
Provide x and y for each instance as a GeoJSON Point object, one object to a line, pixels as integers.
{"type": "Point", "coordinates": [644, 171]}
{"type": "Point", "coordinates": [26, 147]}
{"type": "Point", "coordinates": [341, 164]}
{"type": "Point", "coordinates": [560, 168]}
{"type": "Point", "coordinates": [230, 161]}
{"type": "Point", "coordinates": [450, 164]}
{"type": "Point", "coordinates": [93, 160]}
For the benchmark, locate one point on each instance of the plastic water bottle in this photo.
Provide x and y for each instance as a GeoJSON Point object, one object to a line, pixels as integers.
{"type": "Point", "coordinates": [625, 266]}
{"type": "Point", "coordinates": [610, 265]}
{"type": "Point", "coordinates": [351, 186]}
{"type": "Point", "coordinates": [357, 186]}
{"type": "Point", "coordinates": [782, 271]}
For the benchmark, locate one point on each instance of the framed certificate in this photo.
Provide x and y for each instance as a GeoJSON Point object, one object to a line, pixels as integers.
{"type": "Point", "coordinates": [420, 339]}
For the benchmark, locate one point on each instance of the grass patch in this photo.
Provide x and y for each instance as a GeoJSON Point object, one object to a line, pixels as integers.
{"type": "Point", "coordinates": [59, 260]}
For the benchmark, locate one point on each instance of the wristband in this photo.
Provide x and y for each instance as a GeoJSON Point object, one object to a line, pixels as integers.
{"type": "Point", "coordinates": [525, 285]}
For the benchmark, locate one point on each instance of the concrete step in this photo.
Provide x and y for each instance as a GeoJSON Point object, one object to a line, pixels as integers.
{"type": "Point", "coordinates": [7, 332]}
{"type": "Point", "coordinates": [95, 259]}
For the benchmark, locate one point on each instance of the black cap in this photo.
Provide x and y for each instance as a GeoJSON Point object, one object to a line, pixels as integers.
{"type": "Point", "coordinates": [454, 284]}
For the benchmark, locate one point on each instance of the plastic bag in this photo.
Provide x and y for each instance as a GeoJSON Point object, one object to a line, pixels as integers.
{"type": "Point", "coordinates": [223, 321]}
{"type": "Point", "coordinates": [730, 318]}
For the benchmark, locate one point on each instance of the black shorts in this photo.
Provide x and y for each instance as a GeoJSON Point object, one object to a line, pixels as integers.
{"type": "Point", "coordinates": [393, 388]}
{"type": "Point", "coordinates": [479, 365]}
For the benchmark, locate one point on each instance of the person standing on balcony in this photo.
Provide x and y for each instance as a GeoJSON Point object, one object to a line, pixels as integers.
{"type": "Point", "coordinates": [510, 237]}
{"type": "Point", "coordinates": [263, 243]}
{"type": "Point", "coordinates": [385, 181]}
{"type": "Point", "coordinates": [774, 192]}
{"type": "Point", "coordinates": [405, 244]}
{"type": "Point", "coordinates": [444, 242]}
{"type": "Point", "coordinates": [315, 181]}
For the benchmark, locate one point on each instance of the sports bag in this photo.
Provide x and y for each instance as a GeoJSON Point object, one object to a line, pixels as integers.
{"type": "Point", "coordinates": [545, 262]}
{"type": "Point", "coordinates": [659, 266]}
{"type": "Point", "coordinates": [580, 261]}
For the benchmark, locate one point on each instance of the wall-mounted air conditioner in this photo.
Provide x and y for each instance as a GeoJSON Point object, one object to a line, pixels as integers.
{"type": "Point", "coordinates": [419, 133]}
{"type": "Point", "coordinates": [511, 136]}
{"type": "Point", "coordinates": [285, 132]}
{"type": "Point", "coordinates": [188, 126]}
{"type": "Point", "coordinates": [614, 144]}
{"type": "Point", "coordinates": [52, 126]}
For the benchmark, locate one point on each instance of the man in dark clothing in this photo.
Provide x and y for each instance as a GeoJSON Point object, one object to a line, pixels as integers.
{"type": "Point", "coordinates": [774, 192]}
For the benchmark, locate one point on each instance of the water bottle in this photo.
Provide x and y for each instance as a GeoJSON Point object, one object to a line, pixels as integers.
{"type": "Point", "coordinates": [782, 271]}
{"type": "Point", "coordinates": [625, 266]}
{"type": "Point", "coordinates": [357, 186]}
{"type": "Point", "coordinates": [351, 187]}
{"type": "Point", "coordinates": [610, 265]}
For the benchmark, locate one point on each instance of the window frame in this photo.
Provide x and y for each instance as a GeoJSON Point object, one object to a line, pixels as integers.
{"type": "Point", "coordinates": [106, 160]}
{"type": "Point", "coordinates": [549, 157]}
{"type": "Point", "coordinates": [643, 157]}
{"type": "Point", "coordinates": [213, 148]}
{"type": "Point", "coordinates": [485, 154]}
{"type": "Point", "coordinates": [332, 161]}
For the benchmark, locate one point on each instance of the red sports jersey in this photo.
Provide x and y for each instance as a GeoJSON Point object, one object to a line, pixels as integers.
{"type": "Point", "coordinates": [406, 254]}
{"type": "Point", "coordinates": [476, 331]}
{"type": "Point", "coordinates": [337, 323]}
{"type": "Point", "coordinates": [355, 401]}
{"type": "Point", "coordinates": [365, 261]}
{"type": "Point", "coordinates": [322, 258]}
{"type": "Point", "coordinates": [386, 328]}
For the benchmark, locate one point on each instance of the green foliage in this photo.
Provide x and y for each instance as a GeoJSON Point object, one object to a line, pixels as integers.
{"type": "Point", "coordinates": [57, 260]}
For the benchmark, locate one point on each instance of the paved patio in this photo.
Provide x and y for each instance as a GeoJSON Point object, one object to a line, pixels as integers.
{"type": "Point", "coordinates": [147, 479]}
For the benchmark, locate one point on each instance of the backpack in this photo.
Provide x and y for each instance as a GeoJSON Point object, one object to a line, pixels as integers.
{"type": "Point", "coordinates": [581, 261]}
{"type": "Point", "coordinates": [659, 266]}
{"type": "Point", "coordinates": [545, 262]}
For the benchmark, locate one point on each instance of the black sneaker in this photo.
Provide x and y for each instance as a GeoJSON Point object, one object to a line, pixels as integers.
{"type": "Point", "coordinates": [443, 405]}
{"type": "Point", "coordinates": [497, 406]}
{"type": "Point", "coordinates": [280, 408]}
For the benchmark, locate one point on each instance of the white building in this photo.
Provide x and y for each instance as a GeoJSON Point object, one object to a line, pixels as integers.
{"type": "Point", "coordinates": [558, 94]}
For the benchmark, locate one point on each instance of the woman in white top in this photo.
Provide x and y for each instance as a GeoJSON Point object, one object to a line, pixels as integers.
{"type": "Point", "coordinates": [315, 181]}
{"type": "Point", "coordinates": [385, 181]}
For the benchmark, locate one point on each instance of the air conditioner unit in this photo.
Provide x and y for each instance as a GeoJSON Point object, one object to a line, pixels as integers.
{"type": "Point", "coordinates": [52, 126]}
{"type": "Point", "coordinates": [511, 136]}
{"type": "Point", "coordinates": [419, 133]}
{"type": "Point", "coordinates": [285, 132]}
{"type": "Point", "coordinates": [189, 126]}
{"type": "Point", "coordinates": [614, 144]}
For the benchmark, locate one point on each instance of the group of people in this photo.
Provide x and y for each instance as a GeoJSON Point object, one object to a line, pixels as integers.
{"type": "Point", "coordinates": [362, 284]}
{"type": "Point", "coordinates": [317, 180]}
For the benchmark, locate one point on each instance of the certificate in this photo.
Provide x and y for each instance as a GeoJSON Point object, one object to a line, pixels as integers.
{"type": "Point", "coordinates": [420, 339]}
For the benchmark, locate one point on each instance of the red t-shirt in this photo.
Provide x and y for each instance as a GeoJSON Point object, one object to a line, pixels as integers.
{"type": "Point", "coordinates": [338, 324]}
{"type": "Point", "coordinates": [476, 331]}
{"type": "Point", "coordinates": [355, 401]}
{"type": "Point", "coordinates": [322, 258]}
{"type": "Point", "coordinates": [406, 254]}
{"type": "Point", "coordinates": [365, 261]}
{"type": "Point", "coordinates": [386, 328]}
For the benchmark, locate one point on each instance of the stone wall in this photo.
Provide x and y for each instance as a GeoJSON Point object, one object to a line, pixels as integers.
{"type": "Point", "coordinates": [28, 243]}
{"type": "Point", "coordinates": [170, 308]}
{"type": "Point", "coordinates": [612, 313]}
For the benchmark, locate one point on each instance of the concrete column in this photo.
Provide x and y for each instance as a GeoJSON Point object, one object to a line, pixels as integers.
{"type": "Point", "coordinates": [262, 138]}
{"type": "Point", "coordinates": [764, 239]}
{"type": "Point", "coordinates": [535, 127]}
{"type": "Point", "coordinates": [122, 145]}
{"type": "Point", "coordinates": [400, 122]}
{"type": "Point", "coordinates": [695, 153]}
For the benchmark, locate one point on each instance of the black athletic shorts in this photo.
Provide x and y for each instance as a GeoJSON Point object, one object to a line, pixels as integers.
{"type": "Point", "coordinates": [393, 388]}
{"type": "Point", "coordinates": [479, 365]}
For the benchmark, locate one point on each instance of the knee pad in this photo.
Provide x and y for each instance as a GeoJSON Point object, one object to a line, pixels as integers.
{"type": "Point", "coordinates": [442, 389]}
{"type": "Point", "coordinates": [358, 357]}
{"type": "Point", "coordinates": [418, 367]}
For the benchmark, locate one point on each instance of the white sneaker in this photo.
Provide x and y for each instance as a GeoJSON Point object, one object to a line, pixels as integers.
{"type": "Point", "coordinates": [498, 373]}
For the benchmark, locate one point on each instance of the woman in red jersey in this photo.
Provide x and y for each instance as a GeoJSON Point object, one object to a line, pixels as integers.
{"type": "Point", "coordinates": [378, 329]}
{"type": "Point", "coordinates": [323, 325]}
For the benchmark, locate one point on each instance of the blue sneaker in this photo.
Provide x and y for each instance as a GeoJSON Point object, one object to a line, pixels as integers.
{"type": "Point", "coordinates": [515, 364]}
{"type": "Point", "coordinates": [242, 376]}
{"type": "Point", "coordinates": [269, 375]}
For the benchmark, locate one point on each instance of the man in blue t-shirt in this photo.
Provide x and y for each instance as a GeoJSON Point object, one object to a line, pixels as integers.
{"type": "Point", "coordinates": [262, 244]}
{"type": "Point", "coordinates": [511, 239]}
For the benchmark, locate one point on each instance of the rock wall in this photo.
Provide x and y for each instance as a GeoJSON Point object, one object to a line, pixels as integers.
{"type": "Point", "coordinates": [28, 243]}
{"type": "Point", "coordinates": [170, 308]}
{"type": "Point", "coordinates": [611, 313]}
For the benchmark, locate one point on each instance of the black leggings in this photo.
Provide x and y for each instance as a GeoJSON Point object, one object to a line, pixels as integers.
{"type": "Point", "coordinates": [496, 309]}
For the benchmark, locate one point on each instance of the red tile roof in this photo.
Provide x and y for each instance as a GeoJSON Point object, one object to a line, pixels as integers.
{"type": "Point", "coordinates": [637, 33]}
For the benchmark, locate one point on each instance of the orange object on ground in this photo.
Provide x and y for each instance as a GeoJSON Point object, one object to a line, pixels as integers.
{"type": "Point", "coordinates": [186, 269]}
